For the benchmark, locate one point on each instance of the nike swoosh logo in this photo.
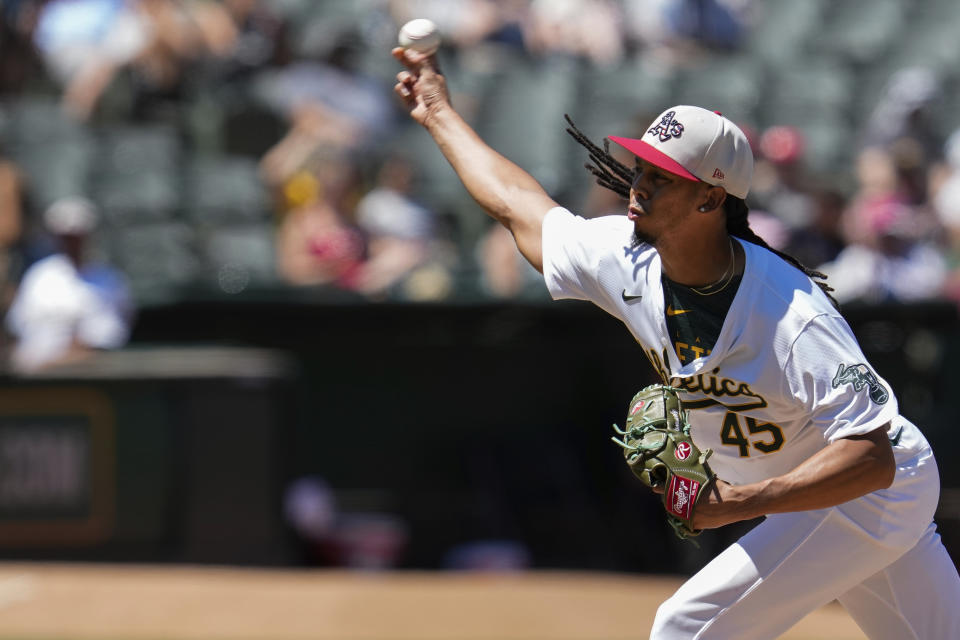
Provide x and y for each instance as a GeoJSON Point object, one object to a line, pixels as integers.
{"type": "Point", "coordinates": [676, 312]}
{"type": "Point", "coordinates": [628, 298]}
{"type": "Point", "coordinates": [895, 440]}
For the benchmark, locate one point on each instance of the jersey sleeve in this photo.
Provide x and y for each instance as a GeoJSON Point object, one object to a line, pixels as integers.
{"type": "Point", "coordinates": [574, 252]}
{"type": "Point", "coordinates": [827, 373]}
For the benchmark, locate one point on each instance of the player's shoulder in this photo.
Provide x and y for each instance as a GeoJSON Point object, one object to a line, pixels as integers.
{"type": "Point", "coordinates": [782, 288]}
{"type": "Point", "coordinates": [53, 264]}
{"type": "Point", "coordinates": [608, 223]}
{"type": "Point", "coordinates": [604, 238]}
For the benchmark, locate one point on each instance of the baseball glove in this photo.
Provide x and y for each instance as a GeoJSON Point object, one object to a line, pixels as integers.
{"type": "Point", "coordinates": [659, 450]}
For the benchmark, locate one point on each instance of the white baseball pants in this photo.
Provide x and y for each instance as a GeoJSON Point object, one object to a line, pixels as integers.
{"type": "Point", "coordinates": [879, 555]}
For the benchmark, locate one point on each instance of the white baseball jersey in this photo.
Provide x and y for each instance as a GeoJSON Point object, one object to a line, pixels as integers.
{"type": "Point", "coordinates": [786, 375]}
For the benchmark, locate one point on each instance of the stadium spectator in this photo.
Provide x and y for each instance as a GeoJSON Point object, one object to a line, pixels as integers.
{"type": "Point", "coordinates": [945, 193]}
{"type": "Point", "coordinates": [879, 185]}
{"type": "Point", "coordinates": [503, 271]}
{"type": "Point", "coordinates": [893, 259]}
{"type": "Point", "coordinates": [821, 239]}
{"type": "Point", "coordinates": [679, 29]}
{"type": "Point", "coordinates": [465, 24]}
{"type": "Point", "coordinates": [20, 67]}
{"type": "Point", "coordinates": [587, 29]}
{"type": "Point", "coordinates": [314, 128]}
{"type": "Point", "coordinates": [905, 110]}
{"type": "Point", "coordinates": [317, 242]}
{"type": "Point", "coordinates": [241, 36]}
{"type": "Point", "coordinates": [399, 231]}
{"type": "Point", "coordinates": [85, 43]}
{"type": "Point", "coordinates": [327, 101]}
{"type": "Point", "coordinates": [782, 185]}
{"type": "Point", "coordinates": [11, 226]}
{"type": "Point", "coordinates": [68, 304]}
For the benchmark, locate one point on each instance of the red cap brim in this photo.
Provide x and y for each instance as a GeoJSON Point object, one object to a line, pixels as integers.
{"type": "Point", "coordinates": [654, 156]}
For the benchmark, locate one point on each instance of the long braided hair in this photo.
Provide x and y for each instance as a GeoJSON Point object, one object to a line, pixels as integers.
{"type": "Point", "coordinates": [616, 176]}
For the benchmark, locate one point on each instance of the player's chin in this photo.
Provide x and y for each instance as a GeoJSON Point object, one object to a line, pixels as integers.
{"type": "Point", "coordinates": [639, 238]}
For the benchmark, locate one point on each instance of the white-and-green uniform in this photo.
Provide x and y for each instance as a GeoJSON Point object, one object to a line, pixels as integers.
{"type": "Point", "coordinates": [783, 378]}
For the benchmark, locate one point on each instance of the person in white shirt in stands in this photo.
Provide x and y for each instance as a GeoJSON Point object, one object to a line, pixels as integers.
{"type": "Point", "coordinates": [66, 304]}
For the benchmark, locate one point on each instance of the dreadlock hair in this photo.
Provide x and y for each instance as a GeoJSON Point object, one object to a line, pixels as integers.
{"type": "Point", "coordinates": [738, 225]}
{"type": "Point", "coordinates": [609, 172]}
{"type": "Point", "coordinates": [616, 176]}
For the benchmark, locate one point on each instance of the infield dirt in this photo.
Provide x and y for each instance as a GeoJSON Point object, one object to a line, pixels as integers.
{"type": "Point", "coordinates": [120, 602]}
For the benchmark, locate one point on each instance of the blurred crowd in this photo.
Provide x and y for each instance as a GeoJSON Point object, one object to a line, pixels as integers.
{"type": "Point", "coordinates": [152, 150]}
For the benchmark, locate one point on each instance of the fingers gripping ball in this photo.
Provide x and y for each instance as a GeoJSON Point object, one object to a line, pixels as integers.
{"type": "Point", "coordinates": [420, 35]}
{"type": "Point", "coordinates": [659, 450]}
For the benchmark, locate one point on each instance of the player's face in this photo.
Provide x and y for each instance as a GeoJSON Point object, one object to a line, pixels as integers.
{"type": "Point", "coordinates": [660, 201]}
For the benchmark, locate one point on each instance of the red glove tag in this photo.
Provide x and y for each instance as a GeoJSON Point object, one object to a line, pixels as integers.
{"type": "Point", "coordinates": [681, 494]}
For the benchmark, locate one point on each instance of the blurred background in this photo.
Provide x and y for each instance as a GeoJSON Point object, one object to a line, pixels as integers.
{"type": "Point", "coordinates": [252, 318]}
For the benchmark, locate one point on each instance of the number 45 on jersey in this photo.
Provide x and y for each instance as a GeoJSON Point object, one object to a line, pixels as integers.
{"type": "Point", "coordinates": [765, 437]}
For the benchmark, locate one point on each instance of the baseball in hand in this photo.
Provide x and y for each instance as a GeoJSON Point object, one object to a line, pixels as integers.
{"type": "Point", "coordinates": [420, 35]}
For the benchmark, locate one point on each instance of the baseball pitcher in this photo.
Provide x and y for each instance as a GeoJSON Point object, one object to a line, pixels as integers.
{"type": "Point", "coordinates": [768, 406]}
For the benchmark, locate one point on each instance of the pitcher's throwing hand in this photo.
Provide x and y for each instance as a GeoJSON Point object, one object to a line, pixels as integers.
{"type": "Point", "coordinates": [421, 86]}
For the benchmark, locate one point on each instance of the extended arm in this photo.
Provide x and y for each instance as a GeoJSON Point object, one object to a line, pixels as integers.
{"type": "Point", "coordinates": [842, 471]}
{"type": "Point", "coordinates": [508, 193]}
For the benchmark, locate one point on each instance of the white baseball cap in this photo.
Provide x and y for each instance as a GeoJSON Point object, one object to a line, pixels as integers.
{"type": "Point", "coordinates": [697, 144]}
{"type": "Point", "coordinates": [73, 215]}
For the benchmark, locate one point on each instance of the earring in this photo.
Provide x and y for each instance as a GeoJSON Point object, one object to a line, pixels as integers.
{"type": "Point", "coordinates": [703, 209]}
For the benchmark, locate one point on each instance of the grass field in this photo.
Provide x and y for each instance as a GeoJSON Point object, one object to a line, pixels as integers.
{"type": "Point", "coordinates": [120, 602]}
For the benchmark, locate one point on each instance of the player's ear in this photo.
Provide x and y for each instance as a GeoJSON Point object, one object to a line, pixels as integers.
{"type": "Point", "coordinates": [713, 198]}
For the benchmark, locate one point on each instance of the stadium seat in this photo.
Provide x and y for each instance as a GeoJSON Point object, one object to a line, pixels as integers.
{"type": "Point", "coordinates": [32, 119]}
{"type": "Point", "coordinates": [931, 41]}
{"type": "Point", "coordinates": [159, 258]}
{"type": "Point", "coordinates": [55, 169]}
{"type": "Point", "coordinates": [238, 256]}
{"type": "Point", "coordinates": [137, 174]}
{"type": "Point", "coordinates": [808, 89]}
{"type": "Point", "coordinates": [830, 144]}
{"type": "Point", "coordinates": [225, 189]}
{"type": "Point", "coordinates": [55, 153]}
{"type": "Point", "coordinates": [860, 30]}
{"type": "Point", "coordinates": [622, 98]}
{"type": "Point", "coordinates": [783, 29]}
{"type": "Point", "coordinates": [729, 83]}
{"type": "Point", "coordinates": [523, 117]}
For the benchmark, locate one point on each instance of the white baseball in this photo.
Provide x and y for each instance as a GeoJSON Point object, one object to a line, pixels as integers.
{"type": "Point", "coordinates": [420, 35]}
